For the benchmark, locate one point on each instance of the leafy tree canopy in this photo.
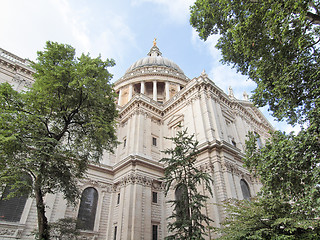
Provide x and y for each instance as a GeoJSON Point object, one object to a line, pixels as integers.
{"type": "Point", "coordinates": [275, 43]}
{"type": "Point", "coordinates": [55, 129]}
{"type": "Point", "coordinates": [266, 218]}
{"type": "Point", "coordinates": [289, 170]}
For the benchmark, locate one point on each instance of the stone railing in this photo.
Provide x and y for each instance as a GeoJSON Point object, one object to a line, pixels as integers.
{"type": "Point", "coordinates": [10, 230]}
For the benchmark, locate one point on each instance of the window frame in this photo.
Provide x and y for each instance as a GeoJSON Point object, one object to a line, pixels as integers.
{"type": "Point", "coordinates": [155, 231]}
{"type": "Point", "coordinates": [88, 224]}
{"type": "Point", "coordinates": [154, 141]}
{"type": "Point", "coordinates": [154, 197]}
{"type": "Point", "coordinates": [245, 189]}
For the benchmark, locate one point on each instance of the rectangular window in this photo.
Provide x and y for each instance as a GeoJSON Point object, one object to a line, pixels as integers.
{"type": "Point", "coordinates": [118, 200]}
{"type": "Point", "coordinates": [154, 141]}
{"type": "Point", "coordinates": [124, 142]}
{"type": "Point", "coordinates": [154, 232]}
{"type": "Point", "coordinates": [154, 197]}
{"type": "Point", "coordinates": [115, 233]}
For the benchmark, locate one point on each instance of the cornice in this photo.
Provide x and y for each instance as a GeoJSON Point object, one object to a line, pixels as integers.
{"type": "Point", "coordinates": [137, 160]}
{"type": "Point", "coordinates": [15, 63]}
{"type": "Point", "coordinates": [152, 71]}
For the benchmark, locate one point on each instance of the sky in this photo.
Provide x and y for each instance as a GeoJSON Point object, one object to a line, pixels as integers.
{"type": "Point", "coordinates": [122, 30]}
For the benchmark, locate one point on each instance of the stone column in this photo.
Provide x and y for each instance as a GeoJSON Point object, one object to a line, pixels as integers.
{"type": "Point", "coordinates": [155, 91]}
{"type": "Point", "coordinates": [167, 91]}
{"type": "Point", "coordinates": [130, 92]}
{"type": "Point", "coordinates": [120, 95]}
{"type": "Point", "coordinates": [178, 88]}
{"type": "Point", "coordinates": [142, 87]}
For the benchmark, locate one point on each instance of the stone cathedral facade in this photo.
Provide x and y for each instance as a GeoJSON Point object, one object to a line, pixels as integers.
{"type": "Point", "coordinates": [123, 197]}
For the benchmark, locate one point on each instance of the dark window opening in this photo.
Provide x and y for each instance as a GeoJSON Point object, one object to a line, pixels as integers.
{"type": "Point", "coordinates": [154, 141]}
{"type": "Point", "coordinates": [115, 233]}
{"type": "Point", "coordinates": [154, 197]}
{"type": "Point", "coordinates": [124, 142]}
{"type": "Point", "coordinates": [11, 209]}
{"type": "Point", "coordinates": [154, 232]}
{"type": "Point", "coordinates": [87, 209]}
{"type": "Point", "coordinates": [118, 199]}
{"type": "Point", "coordinates": [136, 88]}
{"type": "Point", "coordinates": [245, 189]}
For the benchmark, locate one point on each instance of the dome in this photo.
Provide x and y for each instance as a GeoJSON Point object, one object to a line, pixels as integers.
{"type": "Point", "coordinates": [154, 58]}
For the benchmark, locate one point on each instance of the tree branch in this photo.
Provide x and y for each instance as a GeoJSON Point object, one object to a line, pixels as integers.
{"type": "Point", "coordinates": [314, 18]}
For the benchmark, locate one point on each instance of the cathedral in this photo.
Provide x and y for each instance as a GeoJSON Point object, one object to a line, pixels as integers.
{"type": "Point", "coordinates": [123, 197]}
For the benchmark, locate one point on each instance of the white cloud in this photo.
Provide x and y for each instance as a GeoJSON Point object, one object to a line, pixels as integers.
{"type": "Point", "coordinates": [26, 25]}
{"type": "Point", "coordinates": [177, 10]}
{"type": "Point", "coordinates": [222, 75]}
{"type": "Point", "coordinates": [74, 23]}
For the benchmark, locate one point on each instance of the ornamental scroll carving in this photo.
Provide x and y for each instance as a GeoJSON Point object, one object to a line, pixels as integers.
{"type": "Point", "coordinates": [233, 169]}
{"type": "Point", "coordinates": [206, 167]}
{"type": "Point", "coordinates": [134, 178]}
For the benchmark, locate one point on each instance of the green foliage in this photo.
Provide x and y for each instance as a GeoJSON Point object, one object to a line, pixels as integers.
{"type": "Point", "coordinates": [288, 203]}
{"type": "Point", "coordinates": [64, 229]}
{"type": "Point", "coordinates": [187, 220]}
{"type": "Point", "coordinates": [266, 219]}
{"type": "Point", "coordinates": [275, 43]}
{"type": "Point", "coordinates": [62, 123]}
{"type": "Point", "coordinates": [288, 167]}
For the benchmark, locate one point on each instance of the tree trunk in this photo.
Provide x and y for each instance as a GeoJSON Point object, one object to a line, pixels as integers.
{"type": "Point", "coordinates": [43, 228]}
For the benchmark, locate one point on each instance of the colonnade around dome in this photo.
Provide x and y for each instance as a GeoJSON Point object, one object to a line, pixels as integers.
{"type": "Point", "coordinates": [157, 90]}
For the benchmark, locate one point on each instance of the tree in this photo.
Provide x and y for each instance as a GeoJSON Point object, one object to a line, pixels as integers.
{"type": "Point", "coordinates": [64, 229]}
{"type": "Point", "coordinates": [53, 131]}
{"type": "Point", "coordinates": [289, 169]}
{"type": "Point", "coordinates": [275, 43]}
{"type": "Point", "coordinates": [266, 218]}
{"type": "Point", "coordinates": [288, 204]}
{"type": "Point", "coordinates": [187, 220]}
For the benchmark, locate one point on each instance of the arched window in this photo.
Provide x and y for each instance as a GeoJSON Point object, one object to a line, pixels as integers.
{"type": "Point", "coordinates": [245, 189]}
{"type": "Point", "coordinates": [11, 209]}
{"type": "Point", "coordinates": [87, 210]}
{"type": "Point", "coordinates": [181, 202]}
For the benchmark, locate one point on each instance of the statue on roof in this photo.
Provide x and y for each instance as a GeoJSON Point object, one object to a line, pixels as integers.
{"type": "Point", "coordinates": [245, 96]}
{"type": "Point", "coordinates": [155, 42]}
{"type": "Point", "coordinates": [231, 92]}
